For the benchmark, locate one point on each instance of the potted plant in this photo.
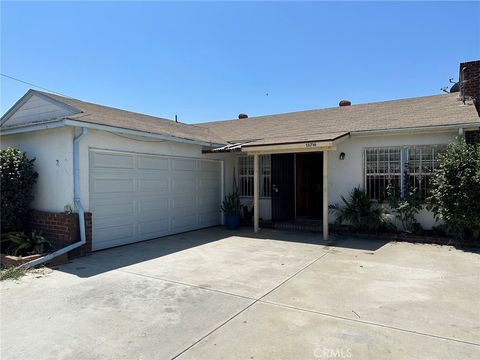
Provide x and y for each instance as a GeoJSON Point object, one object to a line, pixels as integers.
{"type": "Point", "coordinates": [231, 209]}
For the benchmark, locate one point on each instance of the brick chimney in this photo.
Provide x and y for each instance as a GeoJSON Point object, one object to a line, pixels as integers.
{"type": "Point", "coordinates": [470, 81]}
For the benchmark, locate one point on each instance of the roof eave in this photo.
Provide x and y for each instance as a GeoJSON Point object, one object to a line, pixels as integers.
{"type": "Point", "coordinates": [417, 129]}
{"type": "Point", "coordinates": [55, 123]}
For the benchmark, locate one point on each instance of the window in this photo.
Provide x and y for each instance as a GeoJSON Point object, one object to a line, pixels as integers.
{"type": "Point", "coordinates": [422, 161]}
{"type": "Point", "coordinates": [383, 167]}
{"type": "Point", "coordinates": [245, 175]}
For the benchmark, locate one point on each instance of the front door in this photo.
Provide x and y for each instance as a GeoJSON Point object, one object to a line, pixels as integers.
{"type": "Point", "coordinates": [309, 185]}
{"type": "Point", "coordinates": [283, 195]}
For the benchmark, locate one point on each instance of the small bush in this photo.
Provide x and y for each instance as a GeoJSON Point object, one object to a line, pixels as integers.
{"type": "Point", "coordinates": [362, 213]}
{"type": "Point", "coordinates": [455, 190]}
{"type": "Point", "coordinates": [406, 208]}
{"type": "Point", "coordinates": [17, 179]}
{"type": "Point", "coordinates": [20, 244]}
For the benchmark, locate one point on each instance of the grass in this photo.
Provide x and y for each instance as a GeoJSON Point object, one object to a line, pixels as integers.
{"type": "Point", "coordinates": [11, 273]}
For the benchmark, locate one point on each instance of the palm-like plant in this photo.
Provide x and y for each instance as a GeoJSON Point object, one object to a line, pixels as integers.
{"type": "Point", "coordinates": [361, 213]}
{"type": "Point", "coordinates": [231, 204]}
{"type": "Point", "coordinates": [18, 243]}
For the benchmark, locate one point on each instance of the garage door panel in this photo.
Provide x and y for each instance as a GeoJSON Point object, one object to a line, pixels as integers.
{"type": "Point", "coordinates": [110, 160]}
{"type": "Point", "coordinates": [114, 208]}
{"type": "Point", "coordinates": [118, 232]}
{"type": "Point", "coordinates": [136, 197]}
{"type": "Point", "coordinates": [156, 163]}
{"type": "Point", "coordinates": [153, 203]}
{"type": "Point", "coordinates": [183, 164]}
{"type": "Point", "coordinates": [183, 184]}
{"type": "Point", "coordinates": [159, 184]}
{"type": "Point", "coordinates": [112, 185]}
{"type": "Point", "coordinates": [155, 228]}
{"type": "Point", "coordinates": [183, 223]}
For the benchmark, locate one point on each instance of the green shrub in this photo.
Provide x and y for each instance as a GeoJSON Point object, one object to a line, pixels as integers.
{"type": "Point", "coordinates": [19, 244]}
{"type": "Point", "coordinates": [17, 179]}
{"type": "Point", "coordinates": [406, 208]}
{"type": "Point", "coordinates": [455, 189]}
{"type": "Point", "coordinates": [362, 213]}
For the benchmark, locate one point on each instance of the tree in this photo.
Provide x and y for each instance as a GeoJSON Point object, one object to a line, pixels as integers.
{"type": "Point", "coordinates": [455, 189]}
{"type": "Point", "coordinates": [17, 179]}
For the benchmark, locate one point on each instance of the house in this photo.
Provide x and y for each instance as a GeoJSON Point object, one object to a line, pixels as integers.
{"type": "Point", "coordinates": [137, 177]}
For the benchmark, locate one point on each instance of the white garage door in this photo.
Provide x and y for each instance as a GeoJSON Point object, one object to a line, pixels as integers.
{"type": "Point", "coordinates": [135, 197]}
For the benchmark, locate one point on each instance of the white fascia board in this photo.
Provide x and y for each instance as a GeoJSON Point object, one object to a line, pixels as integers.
{"type": "Point", "coordinates": [23, 128]}
{"type": "Point", "coordinates": [418, 129]}
{"type": "Point", "coordinates": [88, 125]}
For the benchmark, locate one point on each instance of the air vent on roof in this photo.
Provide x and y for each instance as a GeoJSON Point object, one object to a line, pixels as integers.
{"type": "Point", "coordinates": [344, 103]}
{"type": "Point", "coordinates": [242, 116]}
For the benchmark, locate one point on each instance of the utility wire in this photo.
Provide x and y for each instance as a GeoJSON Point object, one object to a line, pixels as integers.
{"type": "Point", "coordinates": [38, 87]}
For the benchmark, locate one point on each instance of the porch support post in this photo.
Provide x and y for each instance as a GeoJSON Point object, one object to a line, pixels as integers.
{"type": "Point", "coordinates": [256, 192]}
{"type": "Point", "coordinates": [325, 195]}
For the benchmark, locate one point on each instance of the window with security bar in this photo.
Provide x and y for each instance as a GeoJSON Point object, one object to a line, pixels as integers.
{"type": "Point", "coordinates": [382, 168]}
{"type": "Point", "coordinates": [384, 165]}
{"type": "Point", "coordinates": [245, 175]}
{"type": "Point", "coordinates": [421, 163]}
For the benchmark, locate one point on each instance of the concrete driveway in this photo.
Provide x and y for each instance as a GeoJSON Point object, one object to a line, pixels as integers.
{"type": "Point", "coordinates": [213, 294]}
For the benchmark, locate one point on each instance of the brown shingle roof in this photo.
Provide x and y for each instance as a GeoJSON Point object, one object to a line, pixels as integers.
{"type": "Point", "coordinates": [313, 125]}
{"type": "Point", "coordinates": [104, 115]}
{"type": "Point", "coordinates": [303, 126]}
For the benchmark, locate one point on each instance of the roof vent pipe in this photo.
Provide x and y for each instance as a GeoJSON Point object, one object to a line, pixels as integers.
{"type": "Point", "coordinates": [242, 116]}
{"type": "Point", "coordinates": [344, 103]}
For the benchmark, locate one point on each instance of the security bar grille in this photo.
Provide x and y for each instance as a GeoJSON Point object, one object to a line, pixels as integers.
{"type": "Point", "coordinates": [400, 167]}
{"type": "Point", "coordinates": [245, 175]}
{"type": "Point", "coordinates": [382, 168]}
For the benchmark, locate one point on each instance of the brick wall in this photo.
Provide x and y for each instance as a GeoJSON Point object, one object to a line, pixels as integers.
{"type": "Point", "coordinates": [62, 229]}
{"type": "Point", "coordinates": [471, 80]}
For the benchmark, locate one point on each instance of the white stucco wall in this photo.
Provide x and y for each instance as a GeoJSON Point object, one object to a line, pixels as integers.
{"type": "Point", "coordinates": [53, 152]}
{"type": "Point", "coordinates": [344, 175]}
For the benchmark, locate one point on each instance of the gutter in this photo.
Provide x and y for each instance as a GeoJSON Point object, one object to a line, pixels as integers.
{"type": "Point", "coordinates": [427, 128]}
{"type": "Point", "coordinates": [65, 121]}
{"type": "Point", "coordinates": [77, 203]}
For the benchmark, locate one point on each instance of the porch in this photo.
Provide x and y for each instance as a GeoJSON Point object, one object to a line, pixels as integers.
{"type": "Point", "coordinates": [294, 195]}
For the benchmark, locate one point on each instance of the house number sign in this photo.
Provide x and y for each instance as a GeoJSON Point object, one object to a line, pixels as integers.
{"type": "Point", "coordinates": [310, 144]}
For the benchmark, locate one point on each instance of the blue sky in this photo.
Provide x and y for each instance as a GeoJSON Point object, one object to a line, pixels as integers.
{"type": "Point", "coordinates": [211, 61]}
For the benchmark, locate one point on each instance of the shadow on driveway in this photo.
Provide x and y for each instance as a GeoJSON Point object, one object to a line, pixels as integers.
{"type": "Point", "coordinates": [122, 256]}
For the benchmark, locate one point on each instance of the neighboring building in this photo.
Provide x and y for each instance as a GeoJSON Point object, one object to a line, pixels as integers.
{"type": "Point", "coordinates": [143, 177]}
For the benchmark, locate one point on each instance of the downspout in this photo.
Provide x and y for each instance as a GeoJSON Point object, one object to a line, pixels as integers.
{"type": "Point", "coordinates": [77, 203]}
